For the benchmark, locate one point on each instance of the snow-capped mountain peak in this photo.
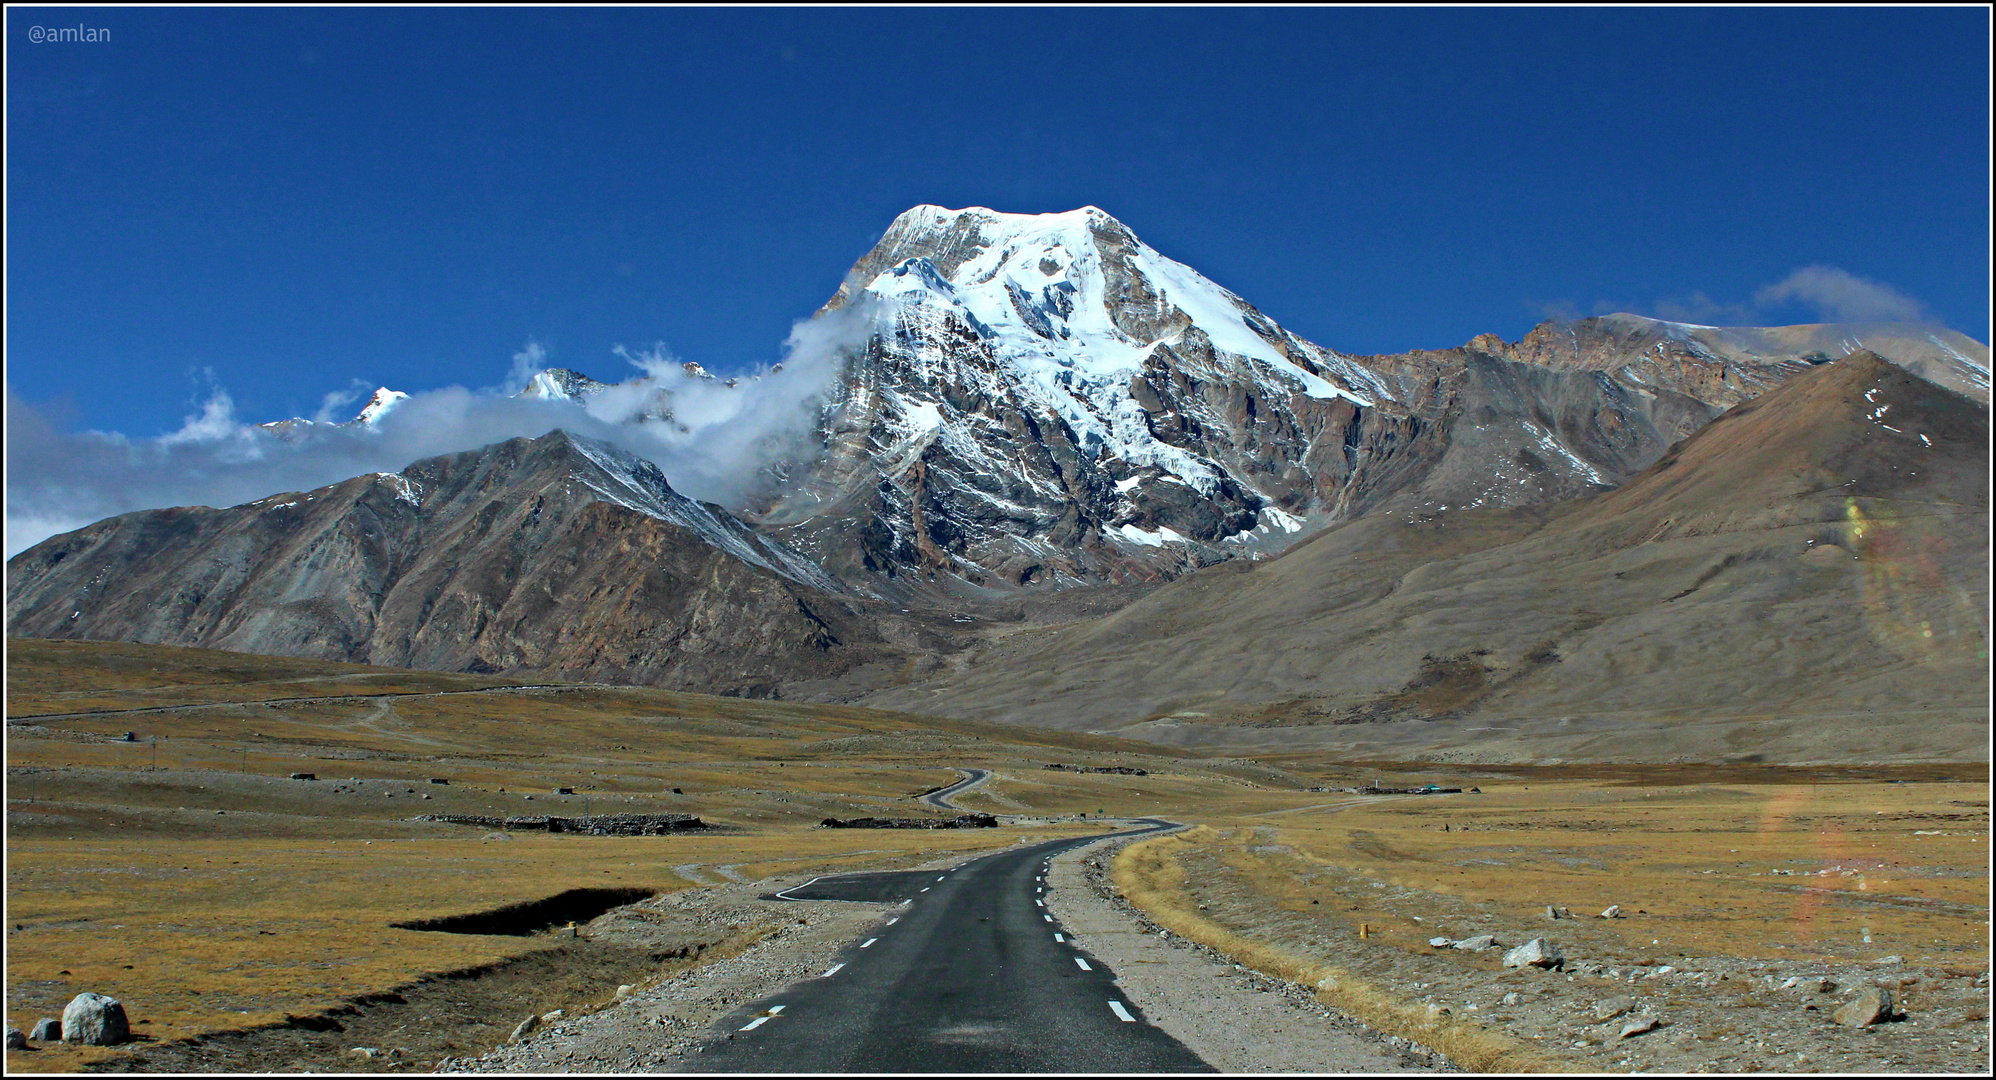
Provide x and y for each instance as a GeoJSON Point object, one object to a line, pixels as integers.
{"type": "Point", "coordinates": [378, 406]}
{"type": "Point", "coordinates": [1079, 289]}
{"type": "Point", "coordinates": [560, 384]}
{"type": "Point", "coordinates": [1046, 398]}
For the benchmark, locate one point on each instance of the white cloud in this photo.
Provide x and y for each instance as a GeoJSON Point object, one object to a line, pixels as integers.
{"type": "Point", "coordinates": [1843, 297]}
{"type": "Point", "coordinates": [335, 406]}
{"type": "Point", "coordinates": [712, 441]}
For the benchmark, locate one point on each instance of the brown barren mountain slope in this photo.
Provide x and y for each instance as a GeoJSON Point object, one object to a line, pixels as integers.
{"type": "Point", "coordinates": [1804, 579]}
{"type": "Point", "coordinates": [510, 559]}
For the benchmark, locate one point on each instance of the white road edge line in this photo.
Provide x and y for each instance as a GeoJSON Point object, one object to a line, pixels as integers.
{"type": "Point", "coordinates": [868, 941]}
{"type": "Point", "coordinates": [794, 888]}
{"type": "Point", "coordinates": [1083, 963]}
{"type": "Point", "coordinates": [1121, 1013]}
{"type": "Point", "coordinates": [834, 971]}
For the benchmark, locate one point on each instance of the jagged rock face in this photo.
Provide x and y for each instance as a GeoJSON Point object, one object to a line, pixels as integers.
{"type": "Point", "coordinates": [1050, 401]}
{"type": "Point", "coordinates": [553, 554]}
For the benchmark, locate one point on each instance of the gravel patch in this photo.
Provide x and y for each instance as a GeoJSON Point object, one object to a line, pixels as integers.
{"type": "Point", "coordinates": [1237, 1019]}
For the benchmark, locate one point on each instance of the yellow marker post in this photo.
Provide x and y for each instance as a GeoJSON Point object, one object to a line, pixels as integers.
{"type": "Point", "coordinates": [571, 929]}
{"type": "Point", "coordinates": [1364, 930]}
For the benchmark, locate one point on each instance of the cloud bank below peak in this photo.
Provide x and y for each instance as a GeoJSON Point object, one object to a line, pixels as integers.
{"type": "Point", "coordinates": [714, 440]}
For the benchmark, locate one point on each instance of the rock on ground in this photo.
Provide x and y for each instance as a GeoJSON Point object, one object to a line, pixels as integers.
{"type": "Point", "coordinates": [1537, 952]}
{"type": "Point", "coordinates": [47, 1029]}
{"type": "Point", "coordinates": [95, 1020]}
{"type": "Point", "coordinates": [1610, 1008]}
{"type": "Point", "coordinates": [1870, 1006]}
{"type": "Point", "coordinates": [1637, 1027]}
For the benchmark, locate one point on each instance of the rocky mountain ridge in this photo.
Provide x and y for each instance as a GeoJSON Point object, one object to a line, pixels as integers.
{"type": "Point", "coordinates": [550, 555]}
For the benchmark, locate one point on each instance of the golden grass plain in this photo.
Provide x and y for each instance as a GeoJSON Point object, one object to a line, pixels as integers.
{"type": "Point", "coordinates": [1798, 876]}
{"type": "Point", "coordinates": [184, 873]}
{"type": "Point", "coordinates": [239, 897]}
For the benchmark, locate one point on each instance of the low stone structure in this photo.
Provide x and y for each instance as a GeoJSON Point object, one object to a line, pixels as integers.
{"type": "Point", "coordinates": [596, 825]}
{"type": "Point", "coordinates": [961, 821]}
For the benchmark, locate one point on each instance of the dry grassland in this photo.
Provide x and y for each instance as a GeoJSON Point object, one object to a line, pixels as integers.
{"type": "Point", "coordinates": [200, 935]}
{"type": "Point", "coordinates": [184, 873]}
{"type": "Point", "coordinates": [1715, 878]}
{"type": "Point", "coordinates": [1153, 876]}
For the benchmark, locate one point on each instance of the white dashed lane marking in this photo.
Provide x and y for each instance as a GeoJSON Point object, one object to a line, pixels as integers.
{"type": "Point", "coordinates": [868, 941]}
{"type": "Point", "coordinates": [832, 972]}
{"type": "Point", "coordinates": [1121, 1013]}
{"type": "Point", "coordinates": [894, 920]}
{"type": "Point", "coordinates": [756, 1023]}
{"type": "Point", "coordinates": [926, 888]}
{"type": "Point", "coordinates": [1057, 937]}
{"type": "Point", "coordinates": [1048, 918]}
{"type": "Point", "coordinates": [1083, 963]}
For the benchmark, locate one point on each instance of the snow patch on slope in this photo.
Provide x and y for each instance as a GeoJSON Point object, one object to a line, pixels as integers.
{"type": "Point", "coordinates": [636, 484]}
{"type": "Point", "coordinates": [1147, 538]}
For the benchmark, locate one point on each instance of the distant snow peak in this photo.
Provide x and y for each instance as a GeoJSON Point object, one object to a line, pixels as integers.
{"type": "Point", "coordinates": [379, 406]}
{"type": "Point", "coordinates": [561, 384]}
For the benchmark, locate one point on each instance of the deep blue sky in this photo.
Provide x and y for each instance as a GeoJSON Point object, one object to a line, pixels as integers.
{"type": "Point", "coordinates": [295, 199]}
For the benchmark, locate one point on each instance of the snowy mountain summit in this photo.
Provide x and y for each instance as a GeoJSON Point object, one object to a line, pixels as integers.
{"type": "Point", "coordinates": [1049, 399]}
{"type": "Point", "coordinates": [1078, 292]}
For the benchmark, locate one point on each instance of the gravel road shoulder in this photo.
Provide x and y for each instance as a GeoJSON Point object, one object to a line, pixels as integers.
{"type": "Point", "coordinates": [1238, 1020]}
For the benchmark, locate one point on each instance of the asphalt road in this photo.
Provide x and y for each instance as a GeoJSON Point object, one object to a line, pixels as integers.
{"type": "Point", "coordinates": [940, 799]}
{"type": "Point", "coordinates": [968, 974]}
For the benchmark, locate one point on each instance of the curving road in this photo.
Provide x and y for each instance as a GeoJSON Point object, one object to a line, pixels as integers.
{"type": "Point", "coordinates": [967, 974]}
{"type": "Point", "coordinates": [972, 778]}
